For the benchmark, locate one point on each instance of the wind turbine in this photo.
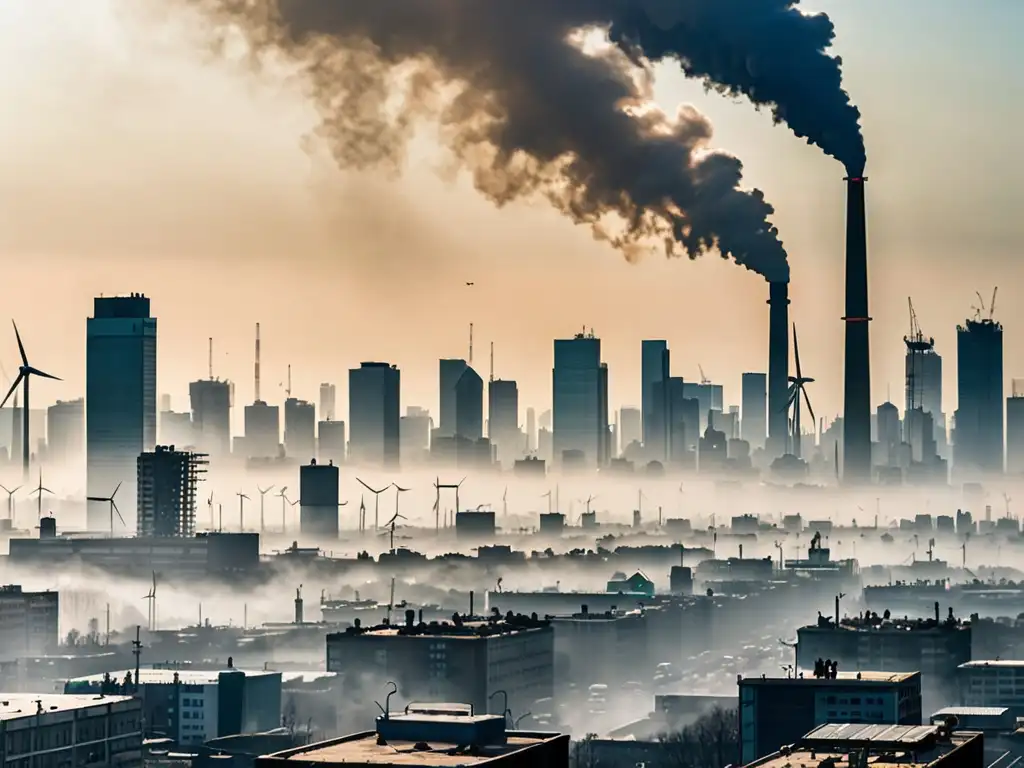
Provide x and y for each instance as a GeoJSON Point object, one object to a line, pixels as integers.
{"type": "Point", "coordinates": [113, 508]}
{"type": "Point", "coordinates": [241, 510]}
{"type": "Point", "coordinates": [504, 502]}
{"type": "Point", "coordinates": [376, 501]}
{"type": "Point", "coordinates": [39, 491]}
{"type": "Point", "coordinates": [263, 493]}
{"type": "Point", "coordinates": [10, 501]}
{"type": "Point", "coordinates": [151, 598]}
{"type": "Point", "coordinates": [209, 505]}
{"type": "Point", "coordinates": [399, 490]}
{"type": "Point", "coordinates": [25, 372]}
{"type": "Point", "coordinates": [796, 389]}
{"type": "Point", "coordinates": [283, 496]}
{"type": "Point", "coordinates": [389, 528]}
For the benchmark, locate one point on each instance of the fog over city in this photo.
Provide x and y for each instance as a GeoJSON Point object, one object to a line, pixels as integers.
{"type": "Point", "coordinates": [461, 381]}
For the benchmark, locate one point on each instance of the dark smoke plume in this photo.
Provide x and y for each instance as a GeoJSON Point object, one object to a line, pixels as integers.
{"type": "Point", "coordinates": [525, 109]}
{"type": "Point", "coordinates": [766, 50]}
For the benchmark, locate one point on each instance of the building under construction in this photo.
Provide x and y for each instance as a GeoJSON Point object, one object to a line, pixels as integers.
{"type": "Point", "coordinates": [167, 483]}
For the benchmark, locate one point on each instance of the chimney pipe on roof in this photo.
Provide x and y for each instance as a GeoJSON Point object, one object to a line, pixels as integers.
{"type": "Point", "coordinates": [857, 376]}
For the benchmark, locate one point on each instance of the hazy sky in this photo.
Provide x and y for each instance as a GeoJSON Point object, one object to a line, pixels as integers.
{"type": "Point", "coordinates": [130, 160]}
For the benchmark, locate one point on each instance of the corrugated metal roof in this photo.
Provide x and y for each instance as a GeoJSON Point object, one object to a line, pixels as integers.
{"type": "Point", "coordinates": [972, 711]}
{"type": "Point", "coordinates": [904, 735]}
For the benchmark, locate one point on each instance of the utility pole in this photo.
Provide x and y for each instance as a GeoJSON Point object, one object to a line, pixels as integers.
{"type": "Point", "coordinates": [137, 653]}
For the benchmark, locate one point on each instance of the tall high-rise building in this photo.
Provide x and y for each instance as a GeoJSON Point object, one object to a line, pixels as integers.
{"type": "Point", "coordinates": [211, 415]}
{"type": "Point", "coordinates": [328, 401]}
{"type": "Point", "coordinates": [580, 400]}
{"type": "Point", "coordinates": [469, 405]}
{"type": "Point", "coordinates": [503, 420]}
{"type": "Point", "coordinates": [450, 371]}
{"type": "Point", "coordinates": [331, 442]}
{"type": "Point", "coordinates": [979, 417]}
{"type": "Point", "coordinates": [167, 484]}
{"type": "Point", "coordinates": [414, 430]}
{"type": "Point", "coordinates": [120, 395]}
{"type": "Point", "coordinates": [531, 430]}
{"type": "Point", "coordinates": [654, 375]}
{"type": "Point", "coordinates": [1015, 432]}
{"type": "Point", "coordinates": [299, 429]}
{"type": "Point", "coordinates": [630, 427]}
{"type": "Point", "coordinates": [889, 435]}
{"type": "Point", "coordinates": [924, 381]}
{"type": "Point", "coordinates": [262, 431]}
{"type": "Point", "coordinates": [374, 402]}
{"type": "Point", "coordinates": [65, 431]}
{"type": "Point", "coordinates": [754, 413]}
{"type": "Point", "coordinates": [318, 500]}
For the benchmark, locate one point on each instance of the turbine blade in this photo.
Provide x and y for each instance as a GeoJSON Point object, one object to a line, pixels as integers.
{"type": "Point", "coordinates": [809, 407]}
{"type": "Point", "coordinates": [42, 374]}
{"type": "Point", "coordinates": [47, 490]}
{"type": "Point", "coordinates": [115, 491]}
{"type": "Point", "coordinates": [365, 486]}
{"type": "Point", "coordinates": [21, 347]}
{"type": "Point", "coordinates": [12, 390]}
{"type": "Point", "coordinates": [95, 498]}
{"type": "Point", "coordinates": [114, 505]}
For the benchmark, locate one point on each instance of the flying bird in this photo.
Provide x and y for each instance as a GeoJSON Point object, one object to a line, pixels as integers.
{"type": "Point", "coordinates": [470, 283]}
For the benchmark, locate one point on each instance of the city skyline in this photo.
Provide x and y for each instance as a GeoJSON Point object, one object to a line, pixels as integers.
{"type": "Point", "coordinates": [520, 257]}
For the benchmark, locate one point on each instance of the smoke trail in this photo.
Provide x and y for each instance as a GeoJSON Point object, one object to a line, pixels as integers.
{"type": "Point", "coordinates": [525, 109]}
{"type": "Point", "coordinates": [766, 50]}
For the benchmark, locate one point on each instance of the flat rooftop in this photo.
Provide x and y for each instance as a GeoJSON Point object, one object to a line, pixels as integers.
{"type": "Point", "coordinates": [166, 676]}
{"type": "Point", "coordinates": [17, 705]}
{"type": "Point", "coordinates": [841, 678]}
{"type": "Point", "coordinates": [860, 624]}
{"type": "Point", "coordinates": [467, 628]}
{"type": "Point", "coordinates": [362, 749]}
{"type": "Point", "coordinates": [982, 663]}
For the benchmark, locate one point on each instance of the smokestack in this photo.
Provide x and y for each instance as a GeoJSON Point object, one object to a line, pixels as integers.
{"type": "Point", "coordinates": [471, 603]}
{"type": "Point", "coordinates": [778, 367]}
{"type": "Point", "coordinates": [857, 382]}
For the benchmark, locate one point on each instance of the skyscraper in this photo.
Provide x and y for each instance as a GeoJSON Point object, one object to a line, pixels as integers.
{"type": "Point", "coordinates": [299, 429]}
{"type": "Point", "coordinates": [318, 500]}
{"type": "Point", "coordinates": [167, 482]}
{"type": "Point", "coordinates": [754, 423]}
{"type": "Point", "coordinates": [979, 418]}
{"type": "Point", "coordinates": [450, 371]}
{"type": "Point", "coordinates": [503, 420]}
{"type": "Point", "coordinates": [211, 416]}
{"type": "Point", "coordinates": [120, 401]}
{"type": "Point", "coordinates": [654, 374]}
{"type": "Point", "coordinates": [374, 400]}
{"type": "Point", "coordinates": [328, 400]}
{"type": "Point", "coordinates": [262, 431]}
{"type": "Point", "coordinates": [580, 399]}
{"type": "Point", "coordinates": [65, 432]}
{"type": "Point", "coordinates": [469, 405]}
{"type": "Point", "coordinates": [630, 427]}
{"type": "Point", "coordinates": [1015, 432]}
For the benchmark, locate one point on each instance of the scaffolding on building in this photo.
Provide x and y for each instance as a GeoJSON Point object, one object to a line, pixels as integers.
{"type": "Point", "coordinates": [195, 466]}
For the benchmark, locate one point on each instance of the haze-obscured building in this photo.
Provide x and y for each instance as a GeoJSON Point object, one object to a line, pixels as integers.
{"type": "Point", "coordinates": [580, 398]}
{"type": "Point", "coordinates": [374, 408]}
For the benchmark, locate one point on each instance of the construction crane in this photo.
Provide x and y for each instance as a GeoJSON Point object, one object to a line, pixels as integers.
{"type": "Point", "coordinates": [917, 345]}
{"type": "Point", "coordinates": [704, 380]}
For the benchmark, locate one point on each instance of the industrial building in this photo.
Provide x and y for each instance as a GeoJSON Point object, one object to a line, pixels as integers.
{"type": "Point", "coordinates": [934, 647]}
{"type": "Point", "coordinates": [29, 622]}
{"type": "Point", "coordinates": [466, 660]}
{"type": "Point", "coordinates": [45, 729]}
{"type": "Point", "coordinates": [374, 395]}
{"type": "Point", "coordinates": [776, 711]}
{"type": "Point", "coordinates": [978, 425]}
{"type": "Point", "coordinates": [318, 500]}
{"type": "Point", "coordinates": [167, 483]}
{"type": "Point", "coordinates": [908, 746]}
{"type": "Point", "coordinates": [433, 736]}
{"type": "Point", "coordinates": [193, 706]}
{"type": "Point", "coordinates": [580, 400]}
{"type": "Point", "coordinates": [120, 396]}
{"type": "Point", "coordinates": [224, 555]}
{"type": "Point", "coordinates": [992, 683]}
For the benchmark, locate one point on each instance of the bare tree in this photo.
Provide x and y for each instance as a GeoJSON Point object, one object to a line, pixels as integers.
{"type": "Point", "coordinates": [712, 741]}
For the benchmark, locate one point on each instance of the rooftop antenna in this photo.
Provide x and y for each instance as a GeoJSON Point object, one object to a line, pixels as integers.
{"type": "Point", "coordinates": [209, 362]}
{"type": "Point", "coordinates": [263, 493]}
{"type": "Point", "coordinates": [256, 370]}
{"type": "Point", "coordinates": [470, 343]}
{"type": "Point", "coordinates": [492, 361]}
{"type": "Point", "coordinates": [25, 372]}
{"type": "Point", "coordinates": [376, 501]}
{"type": "Point", "coordinates": [109, 500]}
